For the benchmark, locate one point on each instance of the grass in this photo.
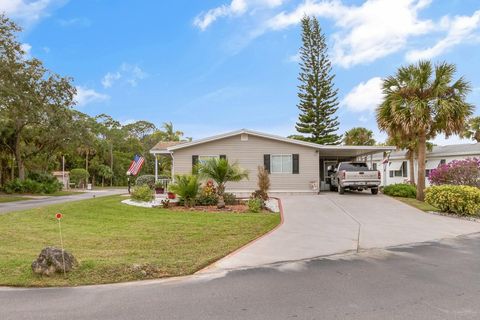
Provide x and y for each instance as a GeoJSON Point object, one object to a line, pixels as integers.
{"type": "Point", "coordinates": [418, 204]}
{"type": "Point", "coordinates": [64, 193]}
{"type": "Point", "coordinates": [109, 238]}
{"type": "Point", "coordinates": [8, 198]}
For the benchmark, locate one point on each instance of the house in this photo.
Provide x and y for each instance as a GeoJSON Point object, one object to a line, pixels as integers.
{"type": "Point", "coordinates": [294, 166]}
{"type": "Point", "coordinates": [63, 177]}
{"type": "Point", "coordinates": [396, 169]}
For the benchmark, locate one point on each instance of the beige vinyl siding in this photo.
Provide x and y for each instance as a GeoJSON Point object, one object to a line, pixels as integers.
{"type": "Point", "coordinates": [249, 155]}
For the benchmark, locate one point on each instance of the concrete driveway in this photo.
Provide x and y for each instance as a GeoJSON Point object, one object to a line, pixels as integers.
{"type": "Point", "coordinates": [326, 224]}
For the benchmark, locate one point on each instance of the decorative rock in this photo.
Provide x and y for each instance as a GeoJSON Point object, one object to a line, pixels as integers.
{"type": "Point", "coordinates": [50, 261]}
{"type": "Point", "coordinates": [272, 205]}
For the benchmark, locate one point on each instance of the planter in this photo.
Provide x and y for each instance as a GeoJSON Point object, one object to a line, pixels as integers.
{"type": "Point", "coordinates": [171, 195]}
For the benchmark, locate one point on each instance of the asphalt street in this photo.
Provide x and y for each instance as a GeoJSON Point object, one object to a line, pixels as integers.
{"type": "Point", "coordinates": [36, 203]}
{"type": "Point", "coordinates": [435, 280]}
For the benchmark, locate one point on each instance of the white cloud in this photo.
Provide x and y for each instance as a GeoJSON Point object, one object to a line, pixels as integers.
{"type": "Point", "coordinates": [363, 119]}
{"type": "Point", "coordinates": [365, 33]}
{"type": "Point", "coordinates": [78, 21]}
{"type": "Point", "coordinates": [85, 96]}
{"type": "Point", "coordinates": [110, 78]}
{"type": "Point", "coordinates": [130, 74]}
{"type": "Point", "coordinates": [234, 8]}
{"type": "Point", "coordinates": [295, 58]}
{"type": "Point", "coordinates": [460, 29]}
{"type": "Point", "coordinates": [27, 12]}
{"type": "Point", "coordinates": [366, 96]}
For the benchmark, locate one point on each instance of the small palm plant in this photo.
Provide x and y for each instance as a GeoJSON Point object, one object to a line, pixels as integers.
{"type": "Point", "coordinates": [221, 171]}
{"type": "Point", "coordinates": [186, 187]}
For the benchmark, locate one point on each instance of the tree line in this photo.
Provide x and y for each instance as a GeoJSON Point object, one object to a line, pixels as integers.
{"type": "Point", "coordinates": [39, 127]}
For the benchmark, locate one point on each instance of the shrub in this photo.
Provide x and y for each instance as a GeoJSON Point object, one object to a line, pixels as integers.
{"type": "Point", "coordinates": [457, 172]}
{"type": "Point", "coordinates": [32, 186]}
{"type": "Point", "coordinates": [400, 190]}
{"type": "Point", "coordinates": [146, 179]}
{"type": "Point", "coordinates": [254, 205]}
{"type": "Point", "coordinates": [263, 183]}
{"type": "Point", "coordinates": [230, 199]}
{"type": "Point", "coordinates": [463, 200]}
{"type": "Point", "coordinates": [79, 176]}
{"type": "Point", "coordinates": [142, 193]}
{"type": "Point", "coordinates": [208, 196]}
{"type": "Point", "coordinates": [186, 187]}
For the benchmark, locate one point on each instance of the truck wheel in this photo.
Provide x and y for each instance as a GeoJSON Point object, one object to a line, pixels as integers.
{"type": "Point", "coordinates": [341, 190]}
{"type": "Point", "coordinates": [374, 190]}
{"type": "Point", "coordinates": [332, 188]}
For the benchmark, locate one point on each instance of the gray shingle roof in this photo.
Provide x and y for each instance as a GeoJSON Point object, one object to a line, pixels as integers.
{"type": "Point", "coordinates": [466, 149]}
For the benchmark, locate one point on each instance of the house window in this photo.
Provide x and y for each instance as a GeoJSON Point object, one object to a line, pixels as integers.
{"type": "Point", "coordinates": [402, 172]}
{"type": "Point", "coordinates": [443, 161]}
{"type": "Point", "coordinates": [281, 163]}
{"type": "Point", "coordinates": [203, 159]}
{"type": "Point", "coordinates": [374, 166]}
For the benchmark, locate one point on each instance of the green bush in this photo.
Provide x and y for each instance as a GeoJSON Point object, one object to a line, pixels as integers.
{"type": "Point", "coordinates": [186, 187]}
{"type": "Point", "coordinates": [32, 186]}
{"type": "Point", "coordinates": [230, 199]}
{"type": "Point", "coordinates": [254, 205]}
{"type": "Point", "coordinates": [142, 193]}
{"type": "Point", "coordinates": [463, 200]}
{"type": "Point", "coordinates": [400, 190]}
{"type": "Point", "coordinates": [79, 176]}
{"type": "Point", "coordinates": [146, 179]}
{"type": "Point", "coordinates": [208, 196]}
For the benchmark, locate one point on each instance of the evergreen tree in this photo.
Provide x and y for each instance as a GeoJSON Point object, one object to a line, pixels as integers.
{"type": "Point", "coordinates": [318, 97]}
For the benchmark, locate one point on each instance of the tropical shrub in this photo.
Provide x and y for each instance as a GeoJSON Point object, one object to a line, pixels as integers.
{"type": "Point", "coordinates": [254, 205]}
{"type": "Point", "coordinates": [208, 195]}
{"type": "Point", "coordinates": [221, 171]}
{"type": "Point", "coordinates": [463, 200]}
{"type": "Point", "coordinates": [146, 179]}
{"type": "Point", "coordinates": [458, 172]}
{"type": "Point", "coordinates": [400, 190]}
{"type": "Point", "coordinates": [230, 199]}
{"type": "Point", "coordinates": [186, 187]}
{"type": "Point", "coordinates": [142, 193]}
{"type": "Point", "coordinates": [79, 176]}
{"type": "Point", "coordinates": [46, 185]}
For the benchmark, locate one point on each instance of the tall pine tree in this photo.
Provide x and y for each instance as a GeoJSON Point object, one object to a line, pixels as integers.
{"type": "Point", "coordinates": [318, 97]}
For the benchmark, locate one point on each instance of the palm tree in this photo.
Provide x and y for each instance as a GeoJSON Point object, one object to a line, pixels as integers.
{"type": "Point", "coordinates": [221, 171]}
{"type": "Point", "coordinates": [422, 101]}
{"type": "Point", "coordinates": [472, 131]}
{"type": "Point", "coordinates": [169, 133]}
{"type": "Point", "coordinates": [359, 137]}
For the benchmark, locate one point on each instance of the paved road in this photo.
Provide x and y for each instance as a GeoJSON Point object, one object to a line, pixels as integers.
{"type": "Point", "coordinates": [325, 224]}
{"type": "Point", "coordinates": [429, 281]}
{"type": "Point", "coordinates": [30, 204]}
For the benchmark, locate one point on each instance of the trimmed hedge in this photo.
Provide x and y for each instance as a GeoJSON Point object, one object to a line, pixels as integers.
{"type": "Point", "coordinates": [463, 200]}
{"type": "Point", "coordinates": [142, 193]}
{"type": "Point", "coordinates": [400, 190]}
{"type": "Point", "coordinates": [35, 183]}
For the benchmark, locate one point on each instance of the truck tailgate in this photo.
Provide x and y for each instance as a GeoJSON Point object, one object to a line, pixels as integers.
{"type": "Point", "coordinates": [361, 175]}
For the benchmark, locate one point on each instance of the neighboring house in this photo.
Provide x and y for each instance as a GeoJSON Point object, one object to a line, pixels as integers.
{"type": "Point", "coordinates": [294, 166]}
{"type": "Point", "coordinates": [63, 177]}
{"type": "Point", "coordinates": [396, 169]}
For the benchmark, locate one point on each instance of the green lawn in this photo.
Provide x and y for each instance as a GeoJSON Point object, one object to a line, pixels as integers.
{"type": "Point", "coordinates": [108, 238]}
{"type": "Point", "coordinates": [418, 204]}
{"type": "Point", "coordinates": [64, 193]}
{"type": "Point", "coordinates": [8, 198]}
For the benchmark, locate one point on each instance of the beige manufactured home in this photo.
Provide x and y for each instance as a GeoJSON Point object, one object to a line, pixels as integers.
{"type": "Point", "coordinates": [294, 166]}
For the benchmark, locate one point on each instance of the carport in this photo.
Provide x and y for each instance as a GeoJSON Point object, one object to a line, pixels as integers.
{"type": "Point", "coordinates": [331, 155]}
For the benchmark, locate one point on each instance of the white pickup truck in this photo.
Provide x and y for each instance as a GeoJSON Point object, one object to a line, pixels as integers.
{"type": "Point", "coordinates": [353, 176]}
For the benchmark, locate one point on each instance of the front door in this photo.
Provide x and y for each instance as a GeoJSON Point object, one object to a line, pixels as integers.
{"type": "Point", "coordinates": [326, 182]}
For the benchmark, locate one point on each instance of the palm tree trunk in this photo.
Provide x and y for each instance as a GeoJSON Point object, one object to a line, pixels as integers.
{"type": "Point", "coordinates": [411, 166]}
{"type": "Point", "coordinates": [422, 146]}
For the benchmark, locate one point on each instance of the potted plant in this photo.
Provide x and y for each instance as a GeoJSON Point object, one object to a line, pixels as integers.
{"type": "Point", "coordinates": [170, 195]}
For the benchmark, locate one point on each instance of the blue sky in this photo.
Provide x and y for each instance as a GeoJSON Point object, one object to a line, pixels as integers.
{"type": "Point", "coordinates": [220, 65]}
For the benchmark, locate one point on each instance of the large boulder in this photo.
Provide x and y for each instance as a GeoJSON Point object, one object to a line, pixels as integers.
{"type": "Point", "coordinates": [50, 261]}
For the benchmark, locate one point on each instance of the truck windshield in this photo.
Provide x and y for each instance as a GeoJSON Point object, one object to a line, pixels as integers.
{"type": "Point", "coordinates": [353, 166]}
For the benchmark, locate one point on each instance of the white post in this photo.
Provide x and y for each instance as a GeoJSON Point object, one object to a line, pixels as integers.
{"type": "Point", "coordinates": [63, 171]}
{"type": "Point", "coordinates": [156, 168]}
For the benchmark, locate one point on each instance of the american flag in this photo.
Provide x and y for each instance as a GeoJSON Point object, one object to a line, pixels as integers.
{"type": "Point", "coordinates": [136, 165]}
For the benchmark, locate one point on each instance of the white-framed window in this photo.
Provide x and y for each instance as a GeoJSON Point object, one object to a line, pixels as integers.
{"type": "Point", "coordinates": [202, 159]}
{"type": "Point", "coordinates": [281, 163]}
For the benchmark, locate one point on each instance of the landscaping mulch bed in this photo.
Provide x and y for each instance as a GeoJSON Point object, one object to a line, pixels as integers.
{"type": "Point", "coordinates": [456, 216]}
